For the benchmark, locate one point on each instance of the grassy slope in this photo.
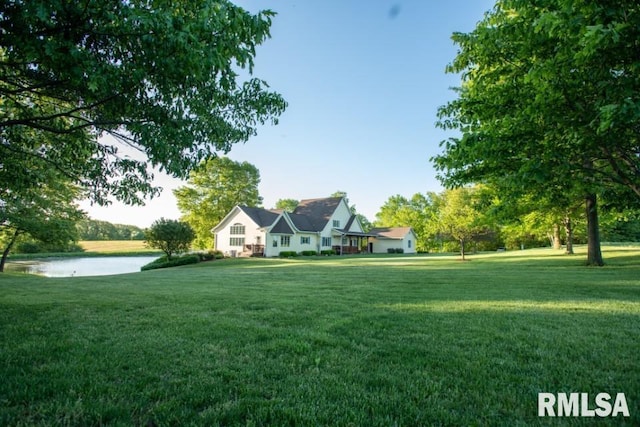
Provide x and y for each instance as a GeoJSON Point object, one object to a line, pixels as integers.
{"type": "Point", "coordinates": [332, 341]}
{"type": "Point", "coordinates": [110, 246]}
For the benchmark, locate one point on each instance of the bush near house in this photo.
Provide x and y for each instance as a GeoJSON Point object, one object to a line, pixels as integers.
{"type": "Point", "coordinates": [288, 254]}
{"type": "Point", "coordinates": [395, 251]}
{"type": "Point", "coordinates": [192, 258]}
{"type": "Point", "coordinates": [163, 262]}
{"type": "Point", "coordinates": [309, 253]}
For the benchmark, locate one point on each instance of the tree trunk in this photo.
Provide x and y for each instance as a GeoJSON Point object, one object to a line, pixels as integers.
{"type": "Point", "coordinates": [594, 254]}
{"type": "Point", "coordinates": [462, 248]}
{"type": "Point", "coordinates": [568, 228]}
{"type": "Point", "coordinates": [556, 236]}
{"type": "Point", "coordinates": [6, 251]}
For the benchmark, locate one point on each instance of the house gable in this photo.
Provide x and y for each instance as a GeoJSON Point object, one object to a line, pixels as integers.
{"type": "Point", "coordinates": [281, 227]}
{"type": "Point", "coordinates": [318, 211]}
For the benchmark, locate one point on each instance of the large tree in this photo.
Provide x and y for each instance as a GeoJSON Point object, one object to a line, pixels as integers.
{"type": "Point", "coordinates": [213, 189]}
{"type": "Point", "coordinates": [170, 79]}
{"type": "Point", "coordinates": [47, 214]}
{"type": "Point", "coordinates": [549, 102]}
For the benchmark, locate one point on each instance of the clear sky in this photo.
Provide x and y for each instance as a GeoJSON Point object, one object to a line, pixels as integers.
{"type": "Point", "coordinates": [363, 80]}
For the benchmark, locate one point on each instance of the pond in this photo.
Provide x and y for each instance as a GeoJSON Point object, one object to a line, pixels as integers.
{"type": "Point", "coordinates": [87, 266]}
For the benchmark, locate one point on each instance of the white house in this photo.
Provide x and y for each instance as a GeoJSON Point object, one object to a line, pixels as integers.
{"type": "Point", "coordinates": [315, 225]}
{"type": "Point", "coordinates": [387, 238]}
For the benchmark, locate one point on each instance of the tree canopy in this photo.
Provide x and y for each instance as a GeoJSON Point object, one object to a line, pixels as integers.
{"type": "Point", "coordinates": [91, 229]}
{"type": "Point", "coordinates": [169, 79]}
{"type": "Point", "coordinates": [549, 101]}
{"type": "Point", "coordinates": [212, 190]}
{"type": "Point", "coordinates": [170, 236]}
{"type": "Point", "coordinates": [288, 205]}
{"type": "Point", "coordinates": [46, 214]}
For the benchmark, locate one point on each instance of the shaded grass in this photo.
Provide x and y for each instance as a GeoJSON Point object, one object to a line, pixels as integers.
{"type": "Point", "coordinates": [322, 341]}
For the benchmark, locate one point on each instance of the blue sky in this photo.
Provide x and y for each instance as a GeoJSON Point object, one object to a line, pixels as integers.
{"type": "Point", "coordinates": [363, 80]}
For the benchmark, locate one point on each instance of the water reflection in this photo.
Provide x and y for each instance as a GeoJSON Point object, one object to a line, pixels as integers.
{"type": "Point", "coordinates": [89, 266]}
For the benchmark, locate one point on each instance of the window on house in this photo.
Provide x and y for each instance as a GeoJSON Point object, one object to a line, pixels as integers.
{"type": "Point", "coordinates": [285, 241]}
{"type": "Point", "coordinates": [237, 229]}
{"type": "Point", "coordinates": [275, 243]}
{"type": "Point", "coordinates": [305, 240]}
{"type": "Point", "coordinates": [336, 223]}
{"type": "Point", "coordinates": [236, 241]}
{"type": "Point", "coordinates": [326, 241]}
{"type": "Point", "coordinates": [408, 243]}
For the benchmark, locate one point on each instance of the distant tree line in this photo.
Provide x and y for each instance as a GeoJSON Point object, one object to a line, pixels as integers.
{"type": "Point", "coordinates": [480, 218]}
{"type": "Point", "coordinates": [91, 229]}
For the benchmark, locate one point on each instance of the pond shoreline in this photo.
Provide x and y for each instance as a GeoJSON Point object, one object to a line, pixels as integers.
{"type": "Point", "coordinates": [93, 254]}
{"type": "Point", "coordinates": [80, 266]}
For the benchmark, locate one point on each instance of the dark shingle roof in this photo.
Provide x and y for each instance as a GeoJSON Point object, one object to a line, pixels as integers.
{"type": "Point", "coordinates": [282, 227]}
{"type": "Point", "coordinates": [317, 211]}
{"type": "Point", "coordinates": [260, 216]}
{"type": "Point", "coordinates": [302, 222]}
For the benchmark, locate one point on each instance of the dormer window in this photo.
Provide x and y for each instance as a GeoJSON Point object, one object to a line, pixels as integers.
{"type": "Point", "coordinates": [336, 223]}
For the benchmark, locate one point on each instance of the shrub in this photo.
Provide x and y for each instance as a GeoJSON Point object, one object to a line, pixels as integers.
{"type": "Point", "coordinates": [395, 251]}
{"type": "Point", "coordinates": [28, 248]}
{"type": "Point", "coordinates": [210, 255]}
{"type": "Point", "coordinates": [309, 253]}
{"type": "Point", "coordinates": [162, 262]}
{"type": "Point", "coordinates": [170, 236]}
{"type": "Point", "coordinates": [288, 254]}
{"type": "Point", "coordinates": [205, 256]}
{"type": "Point", "coordinates": [327, 252]}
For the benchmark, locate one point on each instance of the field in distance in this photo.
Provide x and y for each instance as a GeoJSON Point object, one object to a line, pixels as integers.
{"type": "Point", "coordinates": [115, 246]}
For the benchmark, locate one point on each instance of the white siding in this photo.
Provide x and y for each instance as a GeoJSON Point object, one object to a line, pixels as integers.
{"type": "Point", "coordinates": [407, 243]}
{"type": "Point", "coordinates": [252, 234]}
{"type": "Point", "coordinates": [295, 243]}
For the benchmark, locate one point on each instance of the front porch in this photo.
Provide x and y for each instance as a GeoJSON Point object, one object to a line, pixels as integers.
{"type": "Point", "coordinates": [254, 250]}
{"type": "Point", "coordinates": [351, 243]}
{"type": "Point", "coordinates": [348, 250]}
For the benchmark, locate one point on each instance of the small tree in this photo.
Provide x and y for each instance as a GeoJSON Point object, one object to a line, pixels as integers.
{"type": "Point", "coordinates": [459, 218]}
{"type": "Point", "coordinates": [170, 236]}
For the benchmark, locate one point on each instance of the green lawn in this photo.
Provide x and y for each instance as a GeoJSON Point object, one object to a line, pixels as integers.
{"type": "Point", "coordinates": [351, 341]}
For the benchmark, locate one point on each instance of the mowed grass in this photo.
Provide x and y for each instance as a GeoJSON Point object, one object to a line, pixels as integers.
{"type": "Point", "coordinates": [344, 341]}
{"type": "Point", "coordinates": [115, 246]}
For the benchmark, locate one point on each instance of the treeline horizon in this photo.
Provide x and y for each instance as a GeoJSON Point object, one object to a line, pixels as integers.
{"type": "Point", "coordinates": [93, 229]}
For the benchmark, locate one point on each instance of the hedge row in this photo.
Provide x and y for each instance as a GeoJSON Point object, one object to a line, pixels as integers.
{"type": "Point", "coordinates": [163, 262]}
{"type": "Point", "coordinates": [290, 254]}
{"type": "Point", "coordinates": [395, 251]}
